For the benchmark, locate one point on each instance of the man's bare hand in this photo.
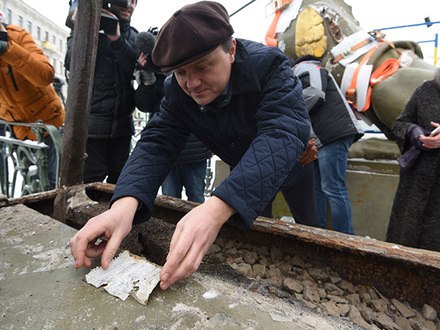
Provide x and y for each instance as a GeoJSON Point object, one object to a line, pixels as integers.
{"type": "Point", "coordinates": [192, 238]}
{"type": "Point", "coordinates": [112, 226]}
{"type": "Point", "coordinates": [310, 154]}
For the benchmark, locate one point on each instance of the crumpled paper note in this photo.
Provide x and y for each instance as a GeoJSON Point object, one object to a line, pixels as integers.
{"type": "Point", "coordinates": [127, 275]}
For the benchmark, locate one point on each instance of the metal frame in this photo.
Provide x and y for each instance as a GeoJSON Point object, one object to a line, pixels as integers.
{"type": "Point", "coordinates": [27, 158]}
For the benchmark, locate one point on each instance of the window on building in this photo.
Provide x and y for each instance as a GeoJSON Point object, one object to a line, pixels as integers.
{"type": "Point", "coordinates": [8, 16]}
{"type": "Point", "coordinates": [38, 33]}
{"type": "Point", "coordinates": [47, 37]}
{"type": "Point", "coordinates": [20, 20]}
{"type": "Point", "coordinates": [54, 63]}
{"type": "Point", "coordinates": [29, 27]}
{"type": "Point", "coordinates": [54, 40]}
{"type": "Point", "coordinates": [60, 46]}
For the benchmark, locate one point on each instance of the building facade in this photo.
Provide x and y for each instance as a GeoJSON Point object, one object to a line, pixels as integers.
{"type": "Point", "coordinates": [48, 36]}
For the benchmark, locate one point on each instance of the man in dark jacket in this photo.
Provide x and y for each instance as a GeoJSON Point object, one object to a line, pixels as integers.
{"type": "Point", "coordinates": [238, 97]}
{"type": "Point", "coordinates": [111, 121]}
{"type": "Point", "coordinates": [336, 128]}
{"type": "Point", "coordinates": [189, 170]}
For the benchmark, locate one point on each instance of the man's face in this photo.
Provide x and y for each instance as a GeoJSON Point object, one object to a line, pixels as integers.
{"type": "Point", "coordinates": [206, 78]}
{"type": "Point", "coordinates": [124, 13]}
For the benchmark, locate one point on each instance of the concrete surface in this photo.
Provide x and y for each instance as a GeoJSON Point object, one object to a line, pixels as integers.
{"type": "Point", "coordinates": [40, 288]}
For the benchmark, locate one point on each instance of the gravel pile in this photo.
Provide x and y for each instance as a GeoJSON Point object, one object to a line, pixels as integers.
{"type": "Point", "coordinates": [321, 288]}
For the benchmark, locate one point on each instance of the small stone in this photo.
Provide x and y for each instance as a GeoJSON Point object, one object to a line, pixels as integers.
{"type": "Point", "coordinates": [292, 285]}
{"type": "Point", "coordinates": [354, 299]}
{"type": "Point", "coordinates": [384, 321]}
{"type": "Point", "coordinates": [330, 308]}
{"type": "Point", "coordinates": [311, 294]}
{"type": "Point", "coordinates": [249, 257]}
{"type": "Point", "coordinates": [403, 323]}
{"type": "Point", "coordinates": [333, 289]}
{"type": "Point", "coordinates": [246, 269]}
{"type": "Point", "coordinates": [404, 310]}
{"type": "Point", "coordinates": [355, 316]}
{"type": "Point", "coordinates": [214, 248]}
{"type": "Point", "coordinates": [379, 305]}
{"type": "Point", "coordinates": [318, 274]}
{"type": "Point", "coordinates": [347, 286]}
{"type": "Point", "coordinates": [259, 270]}
{"type": "Point", "coordinates": [367, 314]}
{"type": "Point", "coordinates": [337, 299]}
{"type": "Point", "coordinates": [429, 313]}
{"type": "Point", "coordinates": [276, 254]}
{"type": "Point", "coordinates": [335, 279]}
{"type": "Point", "coordinates": [423, 325]}
{"type": "Point", "coordinates": [273, 273]}
{"type": "Point", "coordinates": [298, 262]}
{"type": "Point", "coordinates": [344, 308]}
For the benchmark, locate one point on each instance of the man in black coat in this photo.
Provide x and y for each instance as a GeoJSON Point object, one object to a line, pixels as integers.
{"type": "Point", "coordinates": [111, 121]}
{"type": "Point", "coordinates": [241, 99]}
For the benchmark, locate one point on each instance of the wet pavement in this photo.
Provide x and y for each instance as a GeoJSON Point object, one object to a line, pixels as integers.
{"type": "Point", "coordinates": [40, 288]}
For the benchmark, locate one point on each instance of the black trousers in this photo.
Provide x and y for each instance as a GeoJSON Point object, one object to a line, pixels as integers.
{"type": "Point", "coordinates": [299, 194]}
{"type": "Point", "coordinates": [106, 158]}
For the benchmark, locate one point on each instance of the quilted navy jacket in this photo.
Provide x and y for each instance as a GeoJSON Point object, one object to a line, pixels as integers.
{"type": "Point", "coordinates": [259, 127]}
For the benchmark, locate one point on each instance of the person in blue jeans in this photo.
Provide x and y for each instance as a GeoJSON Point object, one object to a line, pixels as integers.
{"type": "Point", "coordinates": [335, 128]}
{"type": "Point", "coordinates": [189, 172]}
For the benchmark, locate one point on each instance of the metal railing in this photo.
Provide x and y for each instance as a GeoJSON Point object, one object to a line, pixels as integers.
{"type": "Point", "coordinates": [23, 163]}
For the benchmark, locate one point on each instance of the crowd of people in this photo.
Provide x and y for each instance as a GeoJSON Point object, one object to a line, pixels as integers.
{"type": "Point", "coordinates": [280, 125]}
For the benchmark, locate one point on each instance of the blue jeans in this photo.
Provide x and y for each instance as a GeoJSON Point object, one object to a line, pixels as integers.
{"type": "Point", "coordinates": [191, 176]}
{"type": "Point", "coordinates": [330, 169]}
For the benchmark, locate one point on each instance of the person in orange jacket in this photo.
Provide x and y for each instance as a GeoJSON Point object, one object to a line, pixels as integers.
{"type": "Point", "coordinates": [26, 93]}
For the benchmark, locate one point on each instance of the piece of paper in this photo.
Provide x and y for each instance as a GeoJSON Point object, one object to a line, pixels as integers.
{"type": "Point", "coordinates": [127, 275]}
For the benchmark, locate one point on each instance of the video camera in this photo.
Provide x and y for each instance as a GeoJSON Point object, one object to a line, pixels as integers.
{"type": "Point", "coordinates": [108, 23]}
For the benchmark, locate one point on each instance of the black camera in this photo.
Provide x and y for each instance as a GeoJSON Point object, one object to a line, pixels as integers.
{"type": "Point", "coordinates": [108, 23]}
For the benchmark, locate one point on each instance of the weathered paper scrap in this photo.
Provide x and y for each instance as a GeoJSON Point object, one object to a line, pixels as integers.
{"type": "Point", "coordinates": [127, 275]}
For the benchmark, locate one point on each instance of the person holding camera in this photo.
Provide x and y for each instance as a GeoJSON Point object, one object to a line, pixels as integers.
{"type": "Point", "coordinates": [111, 121]}
{"type": "Point", "coordinates": [26, 93]}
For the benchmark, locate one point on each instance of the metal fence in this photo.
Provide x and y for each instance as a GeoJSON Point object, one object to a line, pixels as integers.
{"type": "Point", "coordinates": [24, 163]}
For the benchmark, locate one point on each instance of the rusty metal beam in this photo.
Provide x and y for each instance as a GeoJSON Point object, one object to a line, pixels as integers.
{"type": "Point", "coordinates": [82, 69]}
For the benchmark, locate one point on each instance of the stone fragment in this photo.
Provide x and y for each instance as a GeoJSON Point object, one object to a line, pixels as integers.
{"type": "Point", "coordinates": [335, 279]}
{"type": "Point", "coordinates": [246, 269]}
{"type": "Point", "coordinates": [318, 274]}
{"type": "Point", "coordinates": [298, 262]}
{"type": "Point", "coordinates": [354, 299]}
{"type": "Point", "coordinates": [384, 321]}
{"type": "Point", "coordinates": [330, 308]}
{"type": "Point", "coordinates": [311, 294]}
{"type": "Point", "coordinates": [214, 248]}
{"type": "Point", "coordinates": [276, 254]}
{"type": "Point", "coordinates": [333, 289]}
{"type": "Point", "coordinates": [337, 299]}
{"type": "Point", "coordinates": [355, 316]}
{"type": "Point", "coordinates": [403, 323]}
{"type": "Point", "coordinates": [347, 286]}
{"type": "Point", "coordinates": [379, 305]}
{"type": "Point", "coordinates": [403, 309]}
{"type": "Point", "coordinates": [345, 308]}
{"type": "Point", "coordinates": [249, 257]}
{"type": "Point", "coordinates": [429, 312]}
{"type": "Point", "coordinates": [367, 314]}
{"type": "Point", "coordinates": [259, 270]}
{"type": "Point", "coordinates": [273, 273]}
{"type": "Point", "coordinates": [292, 285]}
{"type": "Point", "coordinates": [423, 325]}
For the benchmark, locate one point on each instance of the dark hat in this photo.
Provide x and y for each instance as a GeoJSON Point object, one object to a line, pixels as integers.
{"type": "Point", "coordinates": [191, 33]}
